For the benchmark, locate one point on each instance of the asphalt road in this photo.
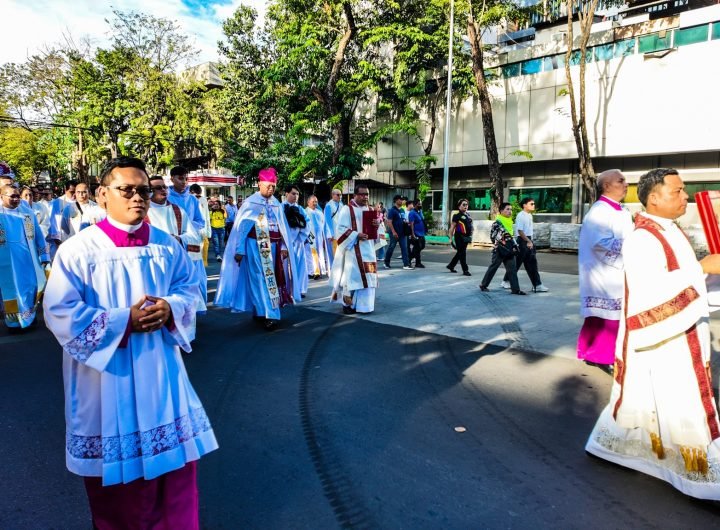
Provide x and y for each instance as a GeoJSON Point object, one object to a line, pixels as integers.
{"type": "Point", "coordinates": [337, 422]}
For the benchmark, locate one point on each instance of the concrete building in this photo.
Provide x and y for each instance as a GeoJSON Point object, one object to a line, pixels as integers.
{"type": "Point", "coordinates": [653, 71]}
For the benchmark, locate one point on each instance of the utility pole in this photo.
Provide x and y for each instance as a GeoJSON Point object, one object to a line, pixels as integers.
{"type": "Point", "coordinates": [448, 108]}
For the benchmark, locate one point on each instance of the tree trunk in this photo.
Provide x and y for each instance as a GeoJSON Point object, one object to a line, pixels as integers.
{"type": "Point", "coordinates": [496, 181]}
{"type": "Point", "coordinates": [577, 112]}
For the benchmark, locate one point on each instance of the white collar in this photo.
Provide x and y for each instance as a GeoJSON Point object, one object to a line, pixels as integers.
{"type": "Point", "coordinates": [662, 221]}
{"type": "Point", "coordinates": [156, 205]}
{"type": "Point", "coordinates": [127, 228]}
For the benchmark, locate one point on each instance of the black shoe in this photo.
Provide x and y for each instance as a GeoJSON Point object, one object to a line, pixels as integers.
{"type": "Point", "coordinates": [259, 319]}
{"type": "Point", "coordinates": [271, 324]}
{"type": "Point", "coordinates": [316, 277]}
{"type": "Point", "coordinates": [303, 295]}
{"type": "Point", "coordinates": [419, 266]}
{"type": "Point", "coordinates": [466, 273]}
{"type": "Point", "coordinates": [518, 292]}
{"type": "Point", "coordinates": [484, 289]}
{"type": "Point", "coordinates": [347, 310]}
{"type": "Point", "coordinates": [448, 267]}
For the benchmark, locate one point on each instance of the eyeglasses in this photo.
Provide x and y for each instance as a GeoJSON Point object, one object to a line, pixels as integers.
{"type": "Point", "coordinates": [128, 192]}
{"type": "Point", "coordinates": [12, 196]}
{"type": "Point", "coordinates": [159, 188]}
{"type": "Point", "coordinates": [362, 194]}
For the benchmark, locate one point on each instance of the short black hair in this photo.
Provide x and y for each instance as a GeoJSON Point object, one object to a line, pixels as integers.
{"type": "Point", "coordinates": [157, 177]}
{"type": "Point", "coordinates": [195, 188]}
{"type": "Point", "coordinates": [359, 187]}
{"type": "Point", "coordinates": [178, 171]}
{"type": "Point", "coordinates": [503, 205]}
{"type": "Point", "coordinates": [69, 184]}
{"type": "Point", "coordinates": [121, 162]}
{"type": "Point", "coordinates": [291, 187]}
{"type": "Point", "coordinates": [651, 179]}
{"type": "Point", "coordinates": [396, 198]}
{"type": "Point", "coordinates": [525, 201]}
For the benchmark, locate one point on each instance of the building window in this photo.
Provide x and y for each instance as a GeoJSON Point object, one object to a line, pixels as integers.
{"type": "Point", "coordinates": [478, 199]}
{"type": "Point", "coordinates": [715, 32]}
{"type": "Point", "coordinates": [575, 57]}
{"type": "Point", "coordinates": [604, 52]}
{"type": "Point", "coordinates": [547, 200]}
{"type": "Point", "coordinates": [654, 42]}
{"type": "Point", "coordinates": [531, 66]}
{"type": "Point", "coordinates": [435, 201]}
{"type": "Point", "coordinates": [511, 70]}
{"type": "Point", "coordinates": [623, 48]}
{"type": "Point", "coordinates": [554, 62]}
{"type": "Point", "coordinates": [693, 187]}
{"type": "Point", "coordinates": [692, 35]}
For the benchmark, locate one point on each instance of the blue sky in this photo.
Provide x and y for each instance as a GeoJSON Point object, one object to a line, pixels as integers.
{"type": "Point", "coordinates": [30, 25]}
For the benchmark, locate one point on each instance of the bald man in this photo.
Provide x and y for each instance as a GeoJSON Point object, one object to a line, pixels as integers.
{"type": "Point", "coordinates": [604, 229]}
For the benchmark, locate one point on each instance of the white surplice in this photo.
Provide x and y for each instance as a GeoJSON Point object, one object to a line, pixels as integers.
{"type": "Point", "coordinates": [196, 212]}
{"type": "Point", "coordinates": [662, 416]}
{"type": "Point", "coordinates": [354, 270]}
{"type": "Point", "coordinates": [57, 207]}
{"type": "Point", "coordinates": [298, 236]}
{"type": "Point", "coordinates": [73, 221]}
{"type": "Point", "coordinates": [22, 251]}
{"type": "Point", "coordinates": [600, 260]}
{"type": "Point", "coordinates": [331, 212]}
{"type": "Point", "coordinates": [163, 216]}
{"type": "Point", "coordinates": [131, 411]}
{"type": "Point", "coordinates": [316, 258]}
{"type": "Point", "coordinates": [42, 213]}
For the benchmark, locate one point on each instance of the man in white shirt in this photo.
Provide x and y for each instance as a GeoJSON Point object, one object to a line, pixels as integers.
{"type": "Point", "coordinates": [332, 209]}
{"type": "Point", "coordinates": [172, 219]}
{"type": "Point", "coordinates": [55, 233]}
{"type": "Point", "coordinates": [526, 256]}
{"type": "Point", "coordinates": [80, 214]}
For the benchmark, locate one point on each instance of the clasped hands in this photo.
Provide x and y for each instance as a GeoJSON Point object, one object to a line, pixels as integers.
{"type": "Point", "coordinates": [149, 314]}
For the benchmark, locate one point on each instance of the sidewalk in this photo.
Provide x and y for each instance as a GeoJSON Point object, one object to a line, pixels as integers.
{"type": "Point", "coordinates": [437, 301]}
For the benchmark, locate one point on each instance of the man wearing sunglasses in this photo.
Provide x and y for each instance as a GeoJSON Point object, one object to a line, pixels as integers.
{"type": "Point", "coordinates": [172, 219]}
{"type": "Point", "coordinates": [23, 257]}
{"type": "Point", "coordinates": [121, 301]}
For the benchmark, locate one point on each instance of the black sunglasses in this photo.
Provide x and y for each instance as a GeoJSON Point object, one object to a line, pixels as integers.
{"type": "Point", "coordinates": [128, 192]}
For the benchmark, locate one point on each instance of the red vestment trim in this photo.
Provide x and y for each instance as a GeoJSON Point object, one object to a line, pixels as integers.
{"type": "Point", "coordinates": [343, 237]}
{"type": "Point", "coordinates": [642, 222]}
{"type": "Point", "coordinates": [663, 311]}
{"type": "Point", "coordinates": [704, 383]}
{"type": "Point", "coordinates": [358, 255]}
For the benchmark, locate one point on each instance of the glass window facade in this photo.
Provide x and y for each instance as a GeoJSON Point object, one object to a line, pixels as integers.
{"type": "Point", "coordinates": [686, 36]}
{"type": "Point", "coordinates": [654, 42]}
{"type": "Point", "coordinates": [645, 43]}
{"type": "Point", "coordinates": [715, 31]}
{"type": "Point", "coordinates": [532, 66]}
{"type": "Point", "coordinates": [604, 52]}
{"type": "Point", "coordinates": [479, 199]}
{"type": "Point", "coordinates": [624, 48]}
{"type": "Point", "coordinates": [547, 200]}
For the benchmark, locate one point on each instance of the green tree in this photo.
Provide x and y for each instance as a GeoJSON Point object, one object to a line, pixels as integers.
{"type": "Point", "coordinates": [19, 148]}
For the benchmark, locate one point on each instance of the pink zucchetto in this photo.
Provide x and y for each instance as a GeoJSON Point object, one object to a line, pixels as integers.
{"type": "Point", "coordinates": [268, 175]}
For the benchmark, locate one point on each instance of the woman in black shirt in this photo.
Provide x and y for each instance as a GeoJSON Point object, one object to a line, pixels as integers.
{"type": "Point", "coordinates": [461, 230]}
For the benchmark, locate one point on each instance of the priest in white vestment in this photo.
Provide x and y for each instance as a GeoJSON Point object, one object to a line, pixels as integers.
{"type": "Point", "coordinates": [601, 272]}
{"type": "Point", "coordinates": [23, 258]}
{"type": "Point", "coordinates": [80, 214]}
{"type": "Point", "coordinates": [331, 211]}
{"type": "Point", "coordinates": [298, 231]}
{"type": "Point", "coordinates": [316, 260]}
{"type": "Point", "coordinates": [57, 206]}
{"type": "Point", "coordinates": [662, 417]}
{"type": "Point", "coordinates": [121, 302]}
{"type": "Point", "coordinates": [172, 219]}
{"type": "Point", "coordinates": [252, 274]}
{"type": "Point", "coordinates": [42, 213]}
{"type": "Point", "coordinates": [180, 195]}
{"type": "Point", "coordinates": [354, 271]}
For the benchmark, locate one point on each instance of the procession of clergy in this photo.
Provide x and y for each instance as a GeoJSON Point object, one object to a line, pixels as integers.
{"type": "Point", "coordinates": [128, 279]}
